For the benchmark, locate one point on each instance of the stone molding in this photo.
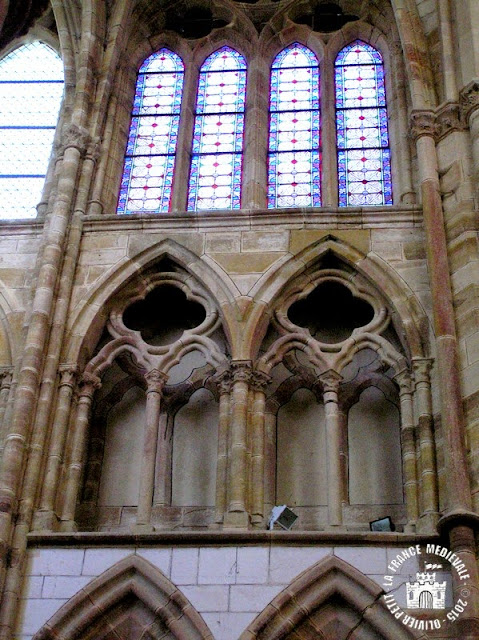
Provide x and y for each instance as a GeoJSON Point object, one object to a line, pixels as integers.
{"type": "Point", "coordinates": [223, 537]}
{"type": "Point", "coordinates": [307, 594]}
{"type": "Point", "coordinates": [132, 577]}
{"type": "Point", "coordinates": [469, 97]}
{"type": "Point", "coordinates": [447, 118]}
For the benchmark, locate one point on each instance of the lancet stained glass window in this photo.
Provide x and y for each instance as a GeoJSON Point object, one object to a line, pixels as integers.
{"type": "Point", "coordinates": [216, 159]}
{"type": "Point", "coordinates": [294, 169]}
{"type": "Point", "coordinates": [31, 90]}
{"type": "Point", "coordinates": [364, 161]}
{"type": "Point", "coordinates": [150, 153]}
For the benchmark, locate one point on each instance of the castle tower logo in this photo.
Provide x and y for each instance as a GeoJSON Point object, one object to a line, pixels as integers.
{"type": "Point", "coordinates": [417, 582]}
{"type": "Point", "coordinates": [426, 593]}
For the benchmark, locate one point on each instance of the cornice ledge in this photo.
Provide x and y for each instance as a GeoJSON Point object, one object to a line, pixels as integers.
{"type": "Point", "coordinates": [225, 537]}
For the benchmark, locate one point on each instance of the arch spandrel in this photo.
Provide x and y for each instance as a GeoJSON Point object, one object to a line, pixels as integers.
{"type": "Point", "coordinates": [92, 310]}
{"type": "Point", "coordinates": [331, 599]}
{"type": "Point", "coordinates": [141, 588]}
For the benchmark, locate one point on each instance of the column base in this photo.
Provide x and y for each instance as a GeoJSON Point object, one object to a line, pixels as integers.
{"type": "Point", "coordinates": [44, 521]}
{"type": "Point", "coordinates": [68, 526]}
{"type": "Point", "coordinates": [427, 523]}
{"type": "Point", "coordinates": [142, 528]}
{"type": "Point", "coordinates": [236, 520]}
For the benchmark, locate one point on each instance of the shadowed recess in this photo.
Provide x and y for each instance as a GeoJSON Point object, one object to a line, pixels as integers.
{"type": "Point", "coordinates": [326, 18]}
{"type": "Point", "coordinates": [196, 22]}
{"type": "Point", "coordinates": [163, 315]}
{"type": "Point", "coordinates": [330, 313]}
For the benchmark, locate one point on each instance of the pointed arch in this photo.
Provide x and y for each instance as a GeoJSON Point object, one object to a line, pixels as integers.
{"type": "Point", "coordinates": [150, 158]}
{"type": "Point", "coordinates": [294, 156]}
{"type": "Point", "coordinates": [406, 310]}
{"type": "Point", "coordinates": [153, 601]}
{"type": "Point", "coordinates": [217, 150]}
{"type": "Point", "coordinates": [93, 310]}
{"type": "Point", "coordinates": [329, 594]}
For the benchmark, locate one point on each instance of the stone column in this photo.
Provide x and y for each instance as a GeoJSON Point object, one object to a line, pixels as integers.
{"type": "Point", "coordinates": [427, 452]}
{"type": "Point", "coordinates": [408, 448]}
{"type": "Point", "coordinates": [470, 103]}
{"type": "Point", "coordinates": [270, 460]}
{"type": "Point", "coordinates": [5, 385]}
{"type": "Point", "coordinates": [330, 381]}
{"type": "Point", "coordinates": [45, 516]}
{"type": "Point", "coordinates": [237, 515]}
{"type": "Point", "coordinates": [31, 368]}
{"type": "Point", "coordinates": [163, 466]}
{"type": "Point", "coordinates": [259, 382]}
{"type": "Point", "coordinates": [155, 380]}
{"type": "Point", "coordinates": [224, 388]}
{"type": "Point", "coordinates": [344, 454]}
{"type": "Point", "coordinates": [88, 385]}
{"type": "Point", "coordinates": [459, 515]}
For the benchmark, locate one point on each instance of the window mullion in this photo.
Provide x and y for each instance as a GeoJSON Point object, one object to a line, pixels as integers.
{"type": "Point", "coordinates": [328, 115]}
{"type": "Point", "coordinates": [185, 137]}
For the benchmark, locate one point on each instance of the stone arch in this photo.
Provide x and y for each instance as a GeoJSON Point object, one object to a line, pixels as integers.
{"type": "Point", "coordinates": [328, 600]}
{"type": "Point", "coordinates": [93, 309]}
{"type": "Point", "coordinates": [406, 310]}
{"type": "Point", "coordinates": [151, 601]}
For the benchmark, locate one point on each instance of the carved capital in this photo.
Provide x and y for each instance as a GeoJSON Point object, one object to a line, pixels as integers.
{"type": "Point", "coordinates": [68, 375]}
{"type": "Point", "coordinates": [422, 369]}
{"type": "Point", "coordinates": [450, 117]}
{"type": "Point", "coordinates": [89, 383]}
{"type": "Point", "coordinates": [75, 137]}
{"type": "Point", "coordinates": [423, 123]}
{"type": "Point", "coordinates": [223, 382]}
{"type": "Point", "coordinates": [330, 381]}
{"type": "Point", "coordinates": [404, 381]}
{"type": "Point", "coordinates": [155, 380]}
{"type": "Point", "coordinates": [241, 371]}
{"type": "Point", "coordinates": [469, 97]}
{"type": "Point", "coordinates": [260, 380]}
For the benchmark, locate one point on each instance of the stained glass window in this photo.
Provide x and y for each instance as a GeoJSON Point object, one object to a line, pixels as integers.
{"type": "Point", "coordinates": [31, 89]}
{"type": "Point", "coordinates": [364, 159]}
{"type": "Point", "coordinates": [294, 167]}
{"type": "Point", "coordinates": [216, 159]}
{"type": "Point", "coordinates": [150, 153]}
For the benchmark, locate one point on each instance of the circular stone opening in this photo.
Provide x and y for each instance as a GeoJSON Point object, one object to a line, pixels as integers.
{"type": "Point", "coordinates": [330, 312]}
{"type": "Point", "coordinates": [163, 315]}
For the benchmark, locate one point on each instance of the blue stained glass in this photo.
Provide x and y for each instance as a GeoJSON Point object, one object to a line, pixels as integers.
{"type": "Point", "coordinates": [149, 166]}
{"type": "Point", "coordinates": [216, 160]}
{"type": "Point", "coordinates": [364, 159]}
{"type": "Point", "coordinates": [294, 159]}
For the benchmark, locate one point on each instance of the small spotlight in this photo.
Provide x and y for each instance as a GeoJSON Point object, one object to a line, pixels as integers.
{"type": "Point", "coordinates": [383, 524]}
{"type": "Point", "coordinates": [283, 516]}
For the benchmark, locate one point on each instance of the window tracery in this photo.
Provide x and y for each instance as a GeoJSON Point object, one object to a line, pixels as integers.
{"type": "Point", "coordinates": [357, 156]}
{"type": "Point", "coordinates": [216, 157]}
{"type": "Point", "coordinates": [364, 159]}
{"type": "Point", "coordinates": [294, 169]}
{"type": "Point", "coordinates": [150, 153]}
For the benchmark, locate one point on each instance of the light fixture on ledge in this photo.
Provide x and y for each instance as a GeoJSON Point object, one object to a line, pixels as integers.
{"type": "Point", "coordinates": [283, 516]}
{"type": "Point", "coordinates": [383, 524]}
